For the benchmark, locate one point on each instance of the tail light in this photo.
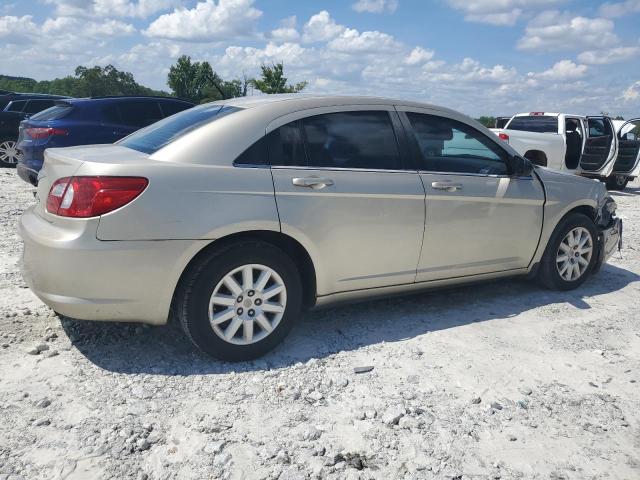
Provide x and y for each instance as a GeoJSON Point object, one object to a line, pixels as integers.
{"type": "Point", "coordinates": [39, 133]}
{"type": "Point", "coordinates": [504, 137]}
{"type": "Point", "coordinates": [83, 197]}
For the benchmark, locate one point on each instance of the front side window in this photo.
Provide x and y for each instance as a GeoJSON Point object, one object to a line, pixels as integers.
{"type": "Point", "coordinates": [362, 139]}
{"type": "Point", "coordinates": [446, 145]}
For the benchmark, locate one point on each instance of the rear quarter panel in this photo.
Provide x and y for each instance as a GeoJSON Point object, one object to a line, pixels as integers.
{"type": "Point", "coordinates": [187, 201]}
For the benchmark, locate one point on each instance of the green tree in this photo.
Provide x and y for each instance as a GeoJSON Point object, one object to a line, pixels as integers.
{"type": "Point", "coordinates": [488, 122]}
{"type": "Point", "coordinates": [274, 81]}
{"type": "Point", "coordinates": [87, 82]}
{"type": "Point", "coordinates": [195, 81]}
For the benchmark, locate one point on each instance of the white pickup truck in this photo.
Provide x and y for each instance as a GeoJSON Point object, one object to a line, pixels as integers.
{"type": "Point", "coordinates": [595, 147]}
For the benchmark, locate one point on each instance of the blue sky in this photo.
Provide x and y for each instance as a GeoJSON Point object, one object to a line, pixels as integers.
{"type": "Point", "coordinates": [493, 57]}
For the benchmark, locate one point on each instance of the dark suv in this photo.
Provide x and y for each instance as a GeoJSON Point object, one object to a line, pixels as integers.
{"type": "Point", "coordinates": [15, 108]}
{"type": "Point", "coordinates": [86, 121]}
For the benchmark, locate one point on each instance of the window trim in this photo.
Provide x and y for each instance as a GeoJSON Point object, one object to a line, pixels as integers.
{"type": "Point", "coordinates": [416, 154]}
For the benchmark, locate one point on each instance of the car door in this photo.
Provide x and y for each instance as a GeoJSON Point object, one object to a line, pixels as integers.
{"type": "Point", "coordinates": [343, 191]}
{"type": "Point", "coordinates": [600, 147]}
{"type": "Point", "coordinates": [479, 218]}
{"type": "Point", "coordinates": [628, 159]}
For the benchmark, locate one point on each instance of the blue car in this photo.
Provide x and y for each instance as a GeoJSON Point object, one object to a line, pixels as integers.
{"type": "Point", "coordinates": [86, 121]}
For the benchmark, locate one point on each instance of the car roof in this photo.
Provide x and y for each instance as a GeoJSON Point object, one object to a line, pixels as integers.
{"type": "Point", "coordinates": [310, 100]}
{"type": "Point", "coordinates": [125, 98]}
{"type": "Point", "coordinates": [36, 96]}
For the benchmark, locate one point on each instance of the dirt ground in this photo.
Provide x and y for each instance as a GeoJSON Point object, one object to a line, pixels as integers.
{"type": "Point", "coordinates": [502, 380]}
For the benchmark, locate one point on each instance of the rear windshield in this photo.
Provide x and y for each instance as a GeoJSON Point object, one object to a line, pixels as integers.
{"type": "Point", "coordinates": [152, 138]}
{"type": "Point", "coordinates": [54, 113]}
{"type": "Point", "coordinates": [535, 123]}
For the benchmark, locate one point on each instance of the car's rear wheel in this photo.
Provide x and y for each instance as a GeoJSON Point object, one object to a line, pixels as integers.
{"type": "Point", "coordinates": [9, 154]}
{"type": "Point", "coordinates": [240, 301]}
{"type": "Point", "coordinates": [570, 254]}
{"type": "Point", "coordinates": [617, 182]}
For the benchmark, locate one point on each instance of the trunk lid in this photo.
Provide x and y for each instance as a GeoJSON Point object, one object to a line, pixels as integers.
{"type": "Point", "coordinates": [65, 162]}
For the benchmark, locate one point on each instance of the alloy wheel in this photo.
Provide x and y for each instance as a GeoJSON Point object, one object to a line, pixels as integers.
{"type": "Point", "coordinates": [574, 254]}
{"type": "Point", "coordinates": [247, 304]}
{"type": "Point", "coordinates": [9, 152]}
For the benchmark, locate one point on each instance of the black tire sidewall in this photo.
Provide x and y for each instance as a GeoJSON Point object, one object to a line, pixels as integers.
{"type": "Point", "coordinates": [195, 302]}
{"type": "Point", "coordinates": [550, 270]}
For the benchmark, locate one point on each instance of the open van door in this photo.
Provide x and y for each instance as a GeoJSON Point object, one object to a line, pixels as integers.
{"type": "Point", "coordinates": [628, 159]}
{"type": "Point", "coordinates": [600, 147]}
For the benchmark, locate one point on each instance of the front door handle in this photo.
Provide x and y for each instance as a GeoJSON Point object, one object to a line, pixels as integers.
{"type": "Point", "coordinates": [447, 186]}
{"type": "Point", "coordinates": [312, 182]}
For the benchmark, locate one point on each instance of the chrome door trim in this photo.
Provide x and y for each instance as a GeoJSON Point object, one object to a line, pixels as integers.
{"type": "Point", "coordinates": [340, 169]}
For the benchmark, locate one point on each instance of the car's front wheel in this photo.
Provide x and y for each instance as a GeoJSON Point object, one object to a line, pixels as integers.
{"type": "Point", "coordinates": [240, 301]}
{"type": "Point", "coordinates": [9, 153]}
{"type": "Point", "coordinates": [570, 254]}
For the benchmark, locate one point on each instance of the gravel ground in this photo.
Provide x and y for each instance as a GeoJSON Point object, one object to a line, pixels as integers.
{"type": "Point", "coordinates": [503, 380]}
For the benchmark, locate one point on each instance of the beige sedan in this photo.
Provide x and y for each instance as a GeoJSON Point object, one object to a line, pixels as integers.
{"type": "Point", "coordinates": [236, 216]}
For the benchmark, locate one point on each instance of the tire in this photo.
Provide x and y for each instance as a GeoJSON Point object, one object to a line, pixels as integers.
{"type": "Point", "coordinates": [617, 182]}
{"type": "Point", "coordinates": [8, 155]}
{"type": "Point", "coordinates": [549, 274]}
{"type": "Point", "coordinates": [196, 303]}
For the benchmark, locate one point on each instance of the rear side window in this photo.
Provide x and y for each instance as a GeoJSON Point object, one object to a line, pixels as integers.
{"type": "Point", "coordinates": [54, 113]}
{"type": "Point", "coordinates": [255, 155]}
{"type": "Point", "coordinates": [160, 134]}
{"type": "Point", "coordinates": [598, 127]}
{"type": "Point", "coordinates": [35, 106]}
{"type": "Point", "coordinates": [171, 108]}
{"type": "Point", "coordinates": [362, 139]}
{"type": "Point", "coordinates": [139, 113]}
{"type": "Point", "coordinates": [286, 146]}
{"type": "Point", "coordinates": [535, 123]}
{"type": "Point", "coordinates": [16, 106]}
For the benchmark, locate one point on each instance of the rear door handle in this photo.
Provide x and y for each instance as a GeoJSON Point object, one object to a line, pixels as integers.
{"type": "Point", "coordinates": [312, 182]}
{"type": "Point", "coordinates": [447, 186]}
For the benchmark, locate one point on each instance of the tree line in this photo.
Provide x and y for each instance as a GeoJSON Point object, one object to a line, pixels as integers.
{"type": "Point", "coordinates": [193, 81]}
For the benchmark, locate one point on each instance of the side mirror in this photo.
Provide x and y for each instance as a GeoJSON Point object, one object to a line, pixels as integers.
{"type": "Point", "coordinates": [520, 166]}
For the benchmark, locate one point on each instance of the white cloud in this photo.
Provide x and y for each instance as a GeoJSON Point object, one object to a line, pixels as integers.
{"type": "Point", "coordinates": [287, 32]}
{"type": "Point", "coordinates": [321, 27]}
{"type": "Point", "coordinates": [419, 55]}
{"type": "Point", "coordinates": [562, 70]}
{"type": "Point", "coordinates": [68, 26]}
{"type": "Point", "coordinates": [552, 30]}
{"type": "Point", "coordinates": [375, 6]}
{"type": "Point", "coordinates": [498, 12]}
{"type": "Point", "coordinates": [611, 55]}
{"type": "Point", "coordinates": [207, 21]}
{"type": "Point", "coordinates": [16, 29]}
{"type": "Point", "coordinates": [618, 9]}
{"type": "Point", "coordinates": [366, 42]}
{"type": "Point", "coordinates": [112, 8]}
{"type": "Point", "coordinates": [632, 94]}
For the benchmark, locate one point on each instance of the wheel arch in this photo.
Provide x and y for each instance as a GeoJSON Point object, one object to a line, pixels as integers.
{"type": "Point", "coordinates": [286, 243]}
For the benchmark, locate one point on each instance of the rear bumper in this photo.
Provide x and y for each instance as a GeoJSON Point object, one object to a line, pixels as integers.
{"type": "Point", "coordinates": [87, 279]}
{"type": "Point", "coordinates": [27, 174]}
